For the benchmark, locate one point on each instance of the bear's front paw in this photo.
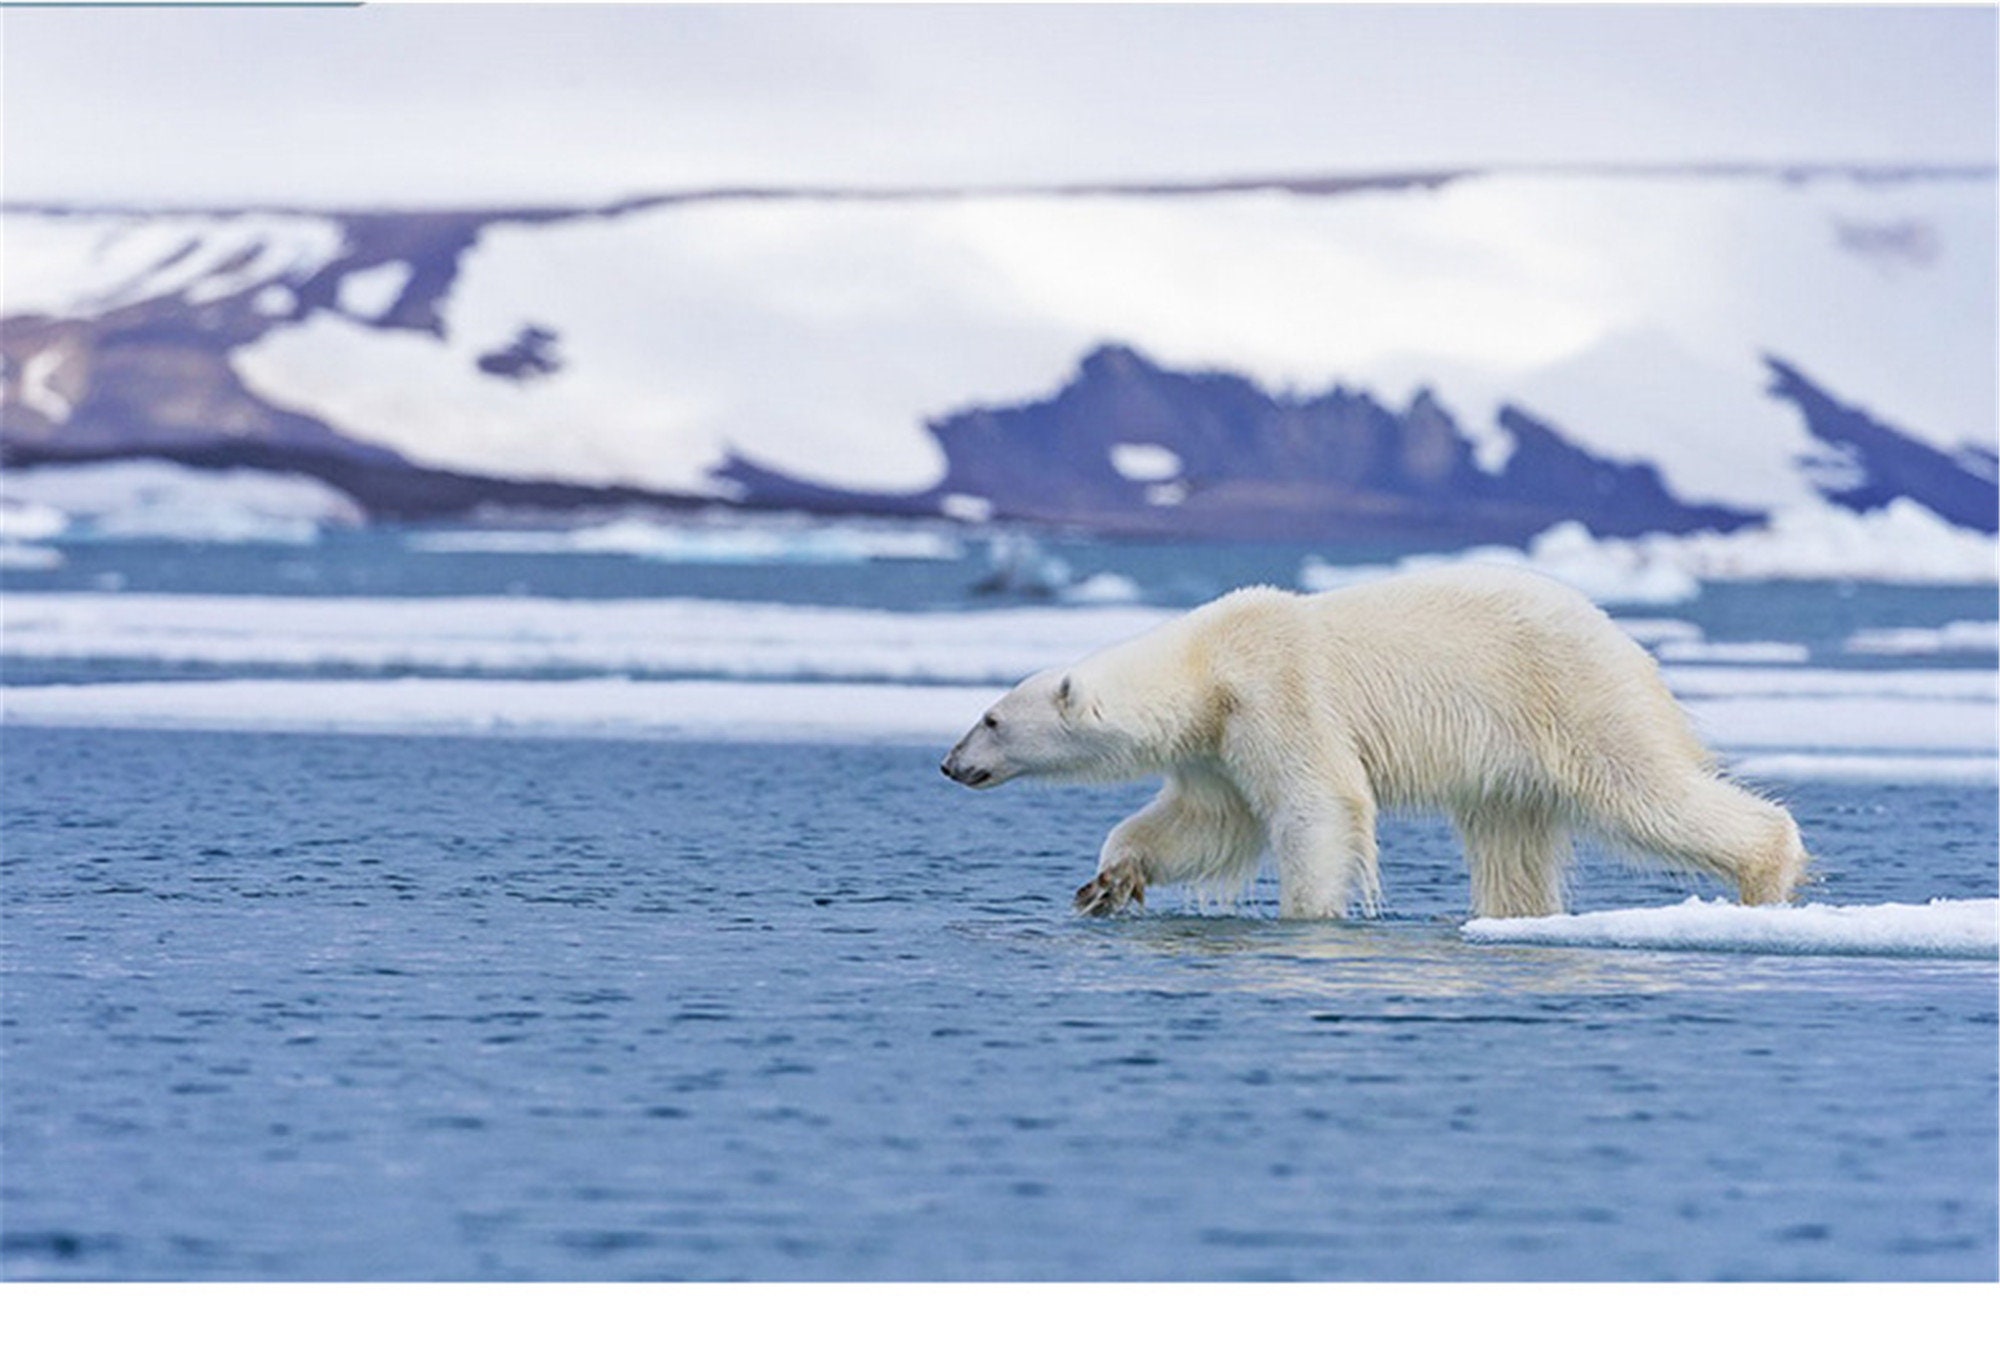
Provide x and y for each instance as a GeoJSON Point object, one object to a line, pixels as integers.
{"type": "Point", "coordinates": [1111, 891]}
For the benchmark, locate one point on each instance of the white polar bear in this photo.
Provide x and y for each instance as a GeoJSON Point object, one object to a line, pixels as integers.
{"type": "Point", "coordinates": [1285, 721]}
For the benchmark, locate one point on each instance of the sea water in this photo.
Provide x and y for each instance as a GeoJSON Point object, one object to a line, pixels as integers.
{"type": "Point", "coordinates": [422, 1007]}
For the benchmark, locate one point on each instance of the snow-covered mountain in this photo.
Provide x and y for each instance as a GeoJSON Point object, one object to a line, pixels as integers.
{"type": "Point", "coordinates": [1466, 354]}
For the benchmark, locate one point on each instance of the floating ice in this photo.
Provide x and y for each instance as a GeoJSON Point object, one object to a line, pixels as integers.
{"type": "Point", "coordinates": [1653, 631]}
{"type": "Point", "coordinates": [1919, 740]}
{"type": "Point", "coordinates": [505, 634]}
{"type": "Point", "coordinates": [14, 556]}
{"type": "Point", "coordinates": [966, 507]}
{"type": "Point", "coordinates": [781, 712]}
{"type": "Point", "coordinates": [159, 500]}
{"type": "Point", "coordinates": [1734, 652]}
{"type": "Point", "coordinates": [1954, 929]}
{"type": "Point", "coordinates": [1903, 543]}
{"type": "Point", "coordinates": [30, 521]}
{"type": "Point", "coordinates": [1604, 571]}
{"type": "Point", "coordinates": [1102, 588]}
{"type": "Point", "coordinates": [1018, 567]}
{"type": "Point", "coordinates": [1955, 770]}
{"type": "Point", "coordinates": [1953, 638]}
{"type": "Point", "coordinates": [694, 543]}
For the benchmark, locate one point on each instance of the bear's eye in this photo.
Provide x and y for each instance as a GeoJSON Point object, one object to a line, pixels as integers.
{"type": "Point", "coordinates": [992, 722]}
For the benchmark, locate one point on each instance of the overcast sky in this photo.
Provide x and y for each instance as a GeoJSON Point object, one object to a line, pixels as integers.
{"type": "Point", "coordinates": [399, 105]}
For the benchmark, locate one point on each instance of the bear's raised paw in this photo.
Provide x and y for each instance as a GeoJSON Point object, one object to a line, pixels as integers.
{"type": "Point", "coordinates": [1111, 891]}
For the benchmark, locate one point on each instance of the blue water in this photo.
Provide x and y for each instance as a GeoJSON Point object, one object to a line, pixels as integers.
{"type": "Point", "coordinates": [350, 1007]}
{"type": "Point", "coordinates": [419, 1008]}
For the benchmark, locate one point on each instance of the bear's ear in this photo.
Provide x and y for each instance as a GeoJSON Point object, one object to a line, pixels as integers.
{"type": "Point", "coordinates": [1070, 703]}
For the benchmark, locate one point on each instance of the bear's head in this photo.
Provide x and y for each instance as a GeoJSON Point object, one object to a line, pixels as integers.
{"type": "Point", "coordinates": [1049, 726]}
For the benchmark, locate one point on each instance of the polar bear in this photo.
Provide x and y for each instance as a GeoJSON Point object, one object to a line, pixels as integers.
{"type": "Point", "coordinates": [1284, 722]}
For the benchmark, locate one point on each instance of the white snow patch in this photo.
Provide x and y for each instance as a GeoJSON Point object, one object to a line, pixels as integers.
{"type": "Point", "coordinates": [275, 301]}
{"type": "Point", "coordinates": [1943, 928]}
{"type": "Point", "coordinates": [38, 390]}
{"type": "Point", "coordinates": [966, 507]}
{"type": "Point", "coordinates": [1953, 638]}
{"type": "Point", "coordinates": [85, 265]}
{"type": "Point", "coordinates": [159, 500]}
{"type": "Point", "coordinates": [370, 293]}
{"type": "Point", "coordinates": [1632, 313]}
{"type": "Point", "coordinates": [1144, 463]}
{"type": "Point", "coordinates": [1169, 495]}
{"type": "Point", "coordinates": [695, 543]}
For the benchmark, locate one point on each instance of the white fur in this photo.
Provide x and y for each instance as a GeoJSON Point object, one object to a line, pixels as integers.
{"type": "Point", "coordinates": [1285, 722]}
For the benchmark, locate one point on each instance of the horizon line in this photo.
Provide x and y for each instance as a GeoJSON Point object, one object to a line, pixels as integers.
{"type": "Point", "coordinates": [1304, 183]}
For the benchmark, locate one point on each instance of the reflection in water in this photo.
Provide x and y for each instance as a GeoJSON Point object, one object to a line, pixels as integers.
{"type": "Point", "coordinates": [1404, 958]}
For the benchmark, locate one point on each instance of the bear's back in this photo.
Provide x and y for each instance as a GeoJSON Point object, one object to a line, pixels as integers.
{"type": "Point", "coordinates": [1473, 675]}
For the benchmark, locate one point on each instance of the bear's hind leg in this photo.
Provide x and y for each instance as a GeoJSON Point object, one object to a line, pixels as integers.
{"type": "Point", "coordinates": [1517, 855]}
{"type": "Point", "coordinates": [1715, 826]}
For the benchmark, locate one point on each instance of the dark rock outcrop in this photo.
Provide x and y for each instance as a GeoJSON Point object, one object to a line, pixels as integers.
{"type": "Point", "coordinates": [1869, 463]}
{"type": "Point", "coordinates": [1255, 464]}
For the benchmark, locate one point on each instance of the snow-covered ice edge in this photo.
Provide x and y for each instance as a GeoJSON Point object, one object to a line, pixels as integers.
{"type": "Point", "coordinates": [1919, 742]}
{"type": "Point", "coordinates": [680, 709]}
{"type": "Point", "coordinates": [1940, 929]}
{"type": "Point", "coordinates": [1901, 543]}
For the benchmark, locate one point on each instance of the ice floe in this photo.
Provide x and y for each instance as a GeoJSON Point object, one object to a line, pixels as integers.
{"type": "Point", "coordinates": [15, 556]}
{"type": "Point", "coordinates": [698, 543]}
{"type": "Point", "coordinates": [1734, 652]}
{"type": "Point", "coordinates": [506, 634]}
{"type": "Point", "coordinates": [21, 521]}
{"type": "Point", "coordinates": [150, 499]}
{"type": "Point", "coordinates": [1953, 638]}
{"type": "Point", "coordinates": [1891, 769]}
{"type": "Point", "coordinates": [1941, 928]}
{"type": "Point", "coordinates": [684, 708]}
{"type": "Point", "coordinates": [1903, 543]}
{"type": "Point", "coordinates": [1921, 740]}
